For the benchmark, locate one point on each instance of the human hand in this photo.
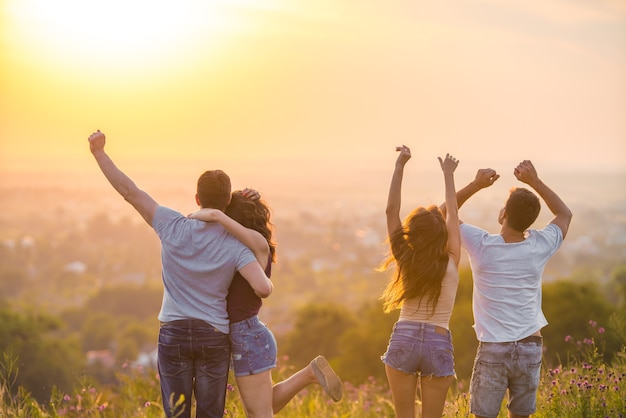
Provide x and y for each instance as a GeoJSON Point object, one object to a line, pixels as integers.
{"type": "Point", "coordinates": [96, 141]}
{"type": "Point", "coordinates": [485, 177]}
{"type": "Point", "coordinates": [448, 164]}
{"type": "Point", "coordinates": [526, 172]}
{"type": "Point", "coordinates": [251, 194]}
{"type": "Point", "coordinates": [404, 156]}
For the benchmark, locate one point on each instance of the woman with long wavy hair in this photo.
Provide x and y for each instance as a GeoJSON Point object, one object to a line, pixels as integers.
{"type": "Point", "coordinates": [253, 346]}
{"type": "Point", "coordinates": [426, 250]}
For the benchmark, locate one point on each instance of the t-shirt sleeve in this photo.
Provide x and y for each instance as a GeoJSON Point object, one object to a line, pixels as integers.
{"type": "Point", "coordinates": [164, 221]}
{"type": "Point", "coordinates": [471, 237]}
{"type": "Point", "coordinates": [245, 257]}
{"type": "Point", "coordinates": [551, 237]}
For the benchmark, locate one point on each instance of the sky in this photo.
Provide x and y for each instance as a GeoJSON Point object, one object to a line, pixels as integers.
{"type": "Point", "coordinates": [322, 88]}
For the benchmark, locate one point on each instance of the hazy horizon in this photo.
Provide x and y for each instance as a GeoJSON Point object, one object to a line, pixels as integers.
{"type": "Point", "coordinates": [330, 86]}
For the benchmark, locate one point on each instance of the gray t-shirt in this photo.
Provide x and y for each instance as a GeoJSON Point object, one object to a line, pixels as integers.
{"type": "Point", "coordinates": [507, 281]}
{"type": "Point", "coordinates": [199, 260]}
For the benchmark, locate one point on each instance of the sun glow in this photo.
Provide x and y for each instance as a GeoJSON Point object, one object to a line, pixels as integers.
{"type": "Point", "coordinates": [118, 34]}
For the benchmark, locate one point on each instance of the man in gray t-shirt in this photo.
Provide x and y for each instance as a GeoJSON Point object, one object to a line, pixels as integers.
{"type": "Point", "coordinates": [199, 261]}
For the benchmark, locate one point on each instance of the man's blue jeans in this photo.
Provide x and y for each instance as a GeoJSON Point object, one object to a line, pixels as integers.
{"type": "Point", "coordinates": [193, 359]}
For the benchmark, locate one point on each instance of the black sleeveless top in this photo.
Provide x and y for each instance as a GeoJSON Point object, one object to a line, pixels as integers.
{"type": "Point", "coordinates": [241, 301]}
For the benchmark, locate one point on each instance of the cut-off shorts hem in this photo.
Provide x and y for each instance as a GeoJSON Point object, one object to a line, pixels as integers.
{"type": "Point", "coordinates": [253, 372]}
{"type": "Point", "coordinates": [253, 347]}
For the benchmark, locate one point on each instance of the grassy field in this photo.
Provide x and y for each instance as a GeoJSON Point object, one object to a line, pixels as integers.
{"type": "Point", "coordinates": [586, 388]}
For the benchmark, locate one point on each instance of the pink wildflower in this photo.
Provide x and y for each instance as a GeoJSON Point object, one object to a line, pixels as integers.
{"type": "Point", "coordinates": [601, 330]}
{"type": "Point", "coordinates": [67, 398]}
{"type": "Point", "coordinates": [568, 338]}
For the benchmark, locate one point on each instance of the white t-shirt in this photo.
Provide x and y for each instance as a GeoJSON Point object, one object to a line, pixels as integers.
{"type": "Point", "coordinates": [507, 281]}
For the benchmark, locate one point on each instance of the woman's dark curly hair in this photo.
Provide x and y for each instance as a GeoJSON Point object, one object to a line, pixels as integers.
{"type": "Point", "coordinates": [253, 214]}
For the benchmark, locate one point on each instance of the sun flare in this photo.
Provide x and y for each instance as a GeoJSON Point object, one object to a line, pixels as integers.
{"type": "Point", "coordinates": [118, 34]}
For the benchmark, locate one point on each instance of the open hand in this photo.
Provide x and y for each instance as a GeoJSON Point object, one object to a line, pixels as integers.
{"type": "Point", "coordinates": [448, 164]}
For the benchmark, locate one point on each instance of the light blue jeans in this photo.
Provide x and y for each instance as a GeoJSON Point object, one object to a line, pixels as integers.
{"type": "Point", "coordinates": [498, 367]}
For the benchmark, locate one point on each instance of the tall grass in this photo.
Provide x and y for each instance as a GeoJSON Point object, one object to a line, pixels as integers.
{"type": "Point", "coordinates": [584, 388]}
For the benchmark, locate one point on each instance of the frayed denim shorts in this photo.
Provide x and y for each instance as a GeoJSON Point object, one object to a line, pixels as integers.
{"type": "Point", "coordinates": [253, 347]}
{"type": "Point", "coordinates": [419, 348]}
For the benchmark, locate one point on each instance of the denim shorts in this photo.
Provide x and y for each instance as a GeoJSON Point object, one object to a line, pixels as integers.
{"type": "Point", "coordinates": [253, 347]}
{"type": "Point", "coordinates": [418, 348]}
{"type": "Point", "coordinates": [515, 366]}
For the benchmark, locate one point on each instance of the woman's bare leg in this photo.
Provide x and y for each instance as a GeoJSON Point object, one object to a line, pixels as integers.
{"type": "Point", "coordinates": [403, 389]}
{"type": "Point", "coordinates": [256, 394]}
{"type": "Point", "coordinates": [434, 391]}
{"type": "Point", "coordinates": [284, 391]}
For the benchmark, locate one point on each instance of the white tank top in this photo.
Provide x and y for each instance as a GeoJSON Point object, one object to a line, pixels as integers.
{"type": "Point", "coordinates": [413, 310]}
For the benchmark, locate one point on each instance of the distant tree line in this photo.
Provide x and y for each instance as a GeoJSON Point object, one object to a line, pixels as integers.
{"type": "Point", "coordinates": [51, 348]}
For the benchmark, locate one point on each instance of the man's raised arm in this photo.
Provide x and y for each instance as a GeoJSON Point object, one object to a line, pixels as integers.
{"type": "Point", "coordinates": [141, 201]}
{"type": "Point", "coordinates": [485, 177]}
{"type": "Point", "coordinates": [526, 173]}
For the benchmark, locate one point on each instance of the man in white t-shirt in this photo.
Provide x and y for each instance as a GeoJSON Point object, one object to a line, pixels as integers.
{"type": "Point", "coordinates": [507, 270]}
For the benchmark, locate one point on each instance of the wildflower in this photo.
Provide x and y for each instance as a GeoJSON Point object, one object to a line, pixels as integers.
{"type": "Point", "coordinates": [600, 330]}
{"type": "Point", "coordinates": [588, 341]}
{"type": "Point", "coordinates": [92, 390]}
{"type": "Point", "coordinates": [230, 387]}
{"type": "Point", "coordinates": [568, 338]}
{"type": "Point", "coordinates": [67, 398]}
{"type": "Point", "coordinates": [147, 404]}
{"type": "Point", "coordinates": [593, 323]}
{"type": "Point", "coordinates": [102, 407]}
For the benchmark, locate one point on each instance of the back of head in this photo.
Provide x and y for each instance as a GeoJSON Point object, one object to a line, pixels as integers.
{"type": "Point", "coordinates": [426, 227]}
{"type": "Point", "coordinates": [253, 214]}
{"type": "Point", "coordinates": [214, 189]}
{"type": "Point", "coordinates": [419, 251]}
{"type": "Point", "coordinates": [522, 208]}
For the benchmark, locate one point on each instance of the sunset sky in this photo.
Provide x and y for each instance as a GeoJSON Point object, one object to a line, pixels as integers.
{"type": "Point", "coordinates": [314, 84]}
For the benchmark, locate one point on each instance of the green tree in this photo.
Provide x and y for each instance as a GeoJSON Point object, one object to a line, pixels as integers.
{"type": "Point", "coordinates": [572, 309]}
{"type": "Point", "coordinates": [316, 331]}
{"type": "Point", "coordinates": [363, 344]}
{"type": "Point", "coordinates": [43, 359]}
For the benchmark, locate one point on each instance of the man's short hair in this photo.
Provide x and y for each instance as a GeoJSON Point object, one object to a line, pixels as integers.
{"type": "Point", "coordinates": [522, 208]}
{"type": "Point", "coordinates": [214, 189]}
